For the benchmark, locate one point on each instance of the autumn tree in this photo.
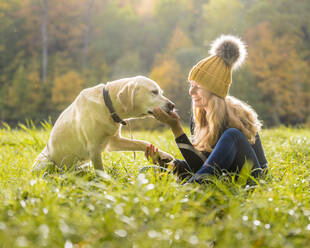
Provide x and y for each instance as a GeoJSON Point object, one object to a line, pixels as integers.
{"type": "Point", "coordinates": [223, 17]}
{"type": "Point", "coordinates": [169, 76]}
{"type": "Point", "coordinates": [280, 73]}
{"type": "Point", "coordinates": [65, 89]}
{"type": "Point", "coordinates": [178, 41]}
{"type": "Point", "coordinates": [92, 41]}
{"type": "Point", "coordinates": [25, 95]}
{"type": "Point", "coordinates": [172, 75]}
{"type": "Point", "coordinates": [44, 24]}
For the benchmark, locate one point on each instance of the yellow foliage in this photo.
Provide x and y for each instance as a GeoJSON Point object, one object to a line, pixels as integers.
{"type": "Point", "coordinates": [66, 88]}
{"type": "Point", "coordinates": [178, 40]}
{"type": "Point", "coordinates": [172, 80]}
{"type": "Point", "coordinates": [281, 74]}
{"type": "Point", "coordinates": [25, 94]}
{"type": "Point", "coordinates": [167, 74]}
{"type": "Point", "coordinates": [35, 91]}
{"type": "Point", "coordinates": [17, 88]}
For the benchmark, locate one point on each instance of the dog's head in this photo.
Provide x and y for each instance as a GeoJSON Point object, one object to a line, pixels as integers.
{"type": "Point", "coordinates": [140, 95]}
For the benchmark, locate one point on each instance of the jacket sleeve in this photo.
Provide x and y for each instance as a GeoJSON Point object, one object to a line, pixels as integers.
{"type": "Point", "coordinates": [193, 157]}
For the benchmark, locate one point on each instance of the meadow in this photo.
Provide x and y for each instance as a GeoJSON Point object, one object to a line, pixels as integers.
{"type": "Point", "coordinates": [125, 208]}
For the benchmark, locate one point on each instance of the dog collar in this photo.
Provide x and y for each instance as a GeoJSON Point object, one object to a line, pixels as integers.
{"type": "Point", "coordinates": [108, 103]}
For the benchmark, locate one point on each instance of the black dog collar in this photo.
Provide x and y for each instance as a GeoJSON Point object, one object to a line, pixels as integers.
{"type": "Point", "coordinates": [108, 103]}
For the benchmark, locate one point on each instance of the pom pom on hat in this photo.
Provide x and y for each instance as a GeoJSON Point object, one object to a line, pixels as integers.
{"type": "Point", "coordinates": [231, 49]}
{"type": "Point", "coordinates": [215, 72]}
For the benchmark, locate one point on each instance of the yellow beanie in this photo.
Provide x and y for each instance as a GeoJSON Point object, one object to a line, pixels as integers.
{"type": "Point", "coordinates": [214, 72]}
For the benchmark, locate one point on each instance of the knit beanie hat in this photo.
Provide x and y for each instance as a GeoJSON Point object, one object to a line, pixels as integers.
{"type": "Point", "coordinates": [214, 72]}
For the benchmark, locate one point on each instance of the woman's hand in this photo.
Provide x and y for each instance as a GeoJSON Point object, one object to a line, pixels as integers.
{"type": "Point", "coordinates": [172, 119]}
{"type": "Point", "coordinates": [152, 153]}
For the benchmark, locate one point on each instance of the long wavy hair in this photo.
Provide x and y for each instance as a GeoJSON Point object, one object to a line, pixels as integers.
{"type": "Point", "coordinates": [218, 114]}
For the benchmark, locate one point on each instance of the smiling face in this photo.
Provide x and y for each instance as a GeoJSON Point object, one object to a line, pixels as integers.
{"type": "Point", "coordinates": [148, 95]}
{"type": "Point", "coordinates": [198, 94]}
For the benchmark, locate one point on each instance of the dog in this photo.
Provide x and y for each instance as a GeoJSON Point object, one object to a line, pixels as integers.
{"type": "Point", "coordinates": [91, 124]}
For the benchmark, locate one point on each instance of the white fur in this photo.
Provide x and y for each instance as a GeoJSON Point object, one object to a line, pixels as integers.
{"type": "Point", "coordinates": [236, 43]}
{"type": "Point", "coordinates": [85, 129]}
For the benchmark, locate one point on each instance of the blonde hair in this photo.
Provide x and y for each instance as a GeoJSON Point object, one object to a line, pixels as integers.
{"type": "Point", "coordinates": [218, 114]}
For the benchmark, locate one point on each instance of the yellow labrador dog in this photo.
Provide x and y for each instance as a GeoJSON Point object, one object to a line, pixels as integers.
{"type": "Point", "coordinates": [91, 124]}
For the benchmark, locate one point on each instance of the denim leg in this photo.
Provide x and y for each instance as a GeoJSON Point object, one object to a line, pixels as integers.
{"type": "Point", "coordinates": [230, 154]}
{"type": "Point", "coordinates": [259, 151]}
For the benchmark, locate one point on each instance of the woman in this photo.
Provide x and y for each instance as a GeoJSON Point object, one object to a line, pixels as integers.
{"type": "Point", "coordinates": [224, 129]}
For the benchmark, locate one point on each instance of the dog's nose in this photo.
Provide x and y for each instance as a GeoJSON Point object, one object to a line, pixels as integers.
{"type": "Point", "coordinates": [170, 105]}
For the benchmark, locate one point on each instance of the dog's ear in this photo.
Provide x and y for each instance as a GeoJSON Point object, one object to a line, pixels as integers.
{"type": "Point", "coordinates": [127, 95]}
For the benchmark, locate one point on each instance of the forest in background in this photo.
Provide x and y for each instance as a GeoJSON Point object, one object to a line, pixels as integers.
{"type": "Point", "coordinates": [51, 49]}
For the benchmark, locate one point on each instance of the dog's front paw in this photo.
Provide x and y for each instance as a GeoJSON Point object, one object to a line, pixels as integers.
{"type": "Point", "coordinates": [165, 157]}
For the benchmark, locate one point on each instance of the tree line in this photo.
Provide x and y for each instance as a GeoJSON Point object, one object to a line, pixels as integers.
{"type": "Point", "coordinates": [51, 49]}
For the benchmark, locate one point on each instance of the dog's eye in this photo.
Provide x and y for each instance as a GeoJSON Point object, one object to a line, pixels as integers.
{"type": "Point", "coordinates": [155, 92]}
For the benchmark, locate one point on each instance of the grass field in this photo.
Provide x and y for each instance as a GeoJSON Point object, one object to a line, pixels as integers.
{"type": "Point", "coordinates": [128, 209]}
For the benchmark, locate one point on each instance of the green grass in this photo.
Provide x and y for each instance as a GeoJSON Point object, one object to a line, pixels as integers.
{"type": "Point", "coordinates": [125, 209]}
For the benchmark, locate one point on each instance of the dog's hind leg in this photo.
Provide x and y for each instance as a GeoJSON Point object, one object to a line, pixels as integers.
{"type": "Point", "coordinates": [42, 161]}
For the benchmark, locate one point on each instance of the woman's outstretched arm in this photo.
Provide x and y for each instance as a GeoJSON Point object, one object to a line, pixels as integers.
{"type": "Point", "coordinates": [192, 156]}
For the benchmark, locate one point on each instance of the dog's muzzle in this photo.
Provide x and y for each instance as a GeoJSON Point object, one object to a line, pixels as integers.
{"type": "Point", "coordinates": [167, 108]}
{"type": "Point", "coordinates": [170, 106]}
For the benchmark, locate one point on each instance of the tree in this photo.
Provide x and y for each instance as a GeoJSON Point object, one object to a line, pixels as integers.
{"type": "Point", "coordinates": [10, 49]}
{"type": "Point", "coordinates": [286, 17]}
{"type": "Point", "coordinates": [169, 15]}
{"type": "Point", "coordinates": [127, 66]}
{"type": "Point", "coordinates": [17, 94]}
{"type": "Point", "coordinates": [88, 31]}
{"type": "Point", "coordinates": [25, 96]}
{"type": "Point", "coordinates": [178, 41]}
{"type": "Point", "coordinates": [36, 96]}
{"type": "Point", "coordinates": [65, 89]}
{"type": "Point", "coordinates": [280, 73]}
{"type": "Point", "coordinates": [223, 17]}
{"type": "Point", "coordinates": [169, 76]}
{"type": "Point", "coordinates": [44, 16]}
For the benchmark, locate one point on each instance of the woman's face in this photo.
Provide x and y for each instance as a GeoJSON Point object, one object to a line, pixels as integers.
{"type": "Point", "coordinates": [197, 94]}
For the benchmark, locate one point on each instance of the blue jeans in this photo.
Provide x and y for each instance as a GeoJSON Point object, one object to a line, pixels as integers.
{"type": "Point", "coordinates": [230, 154]}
